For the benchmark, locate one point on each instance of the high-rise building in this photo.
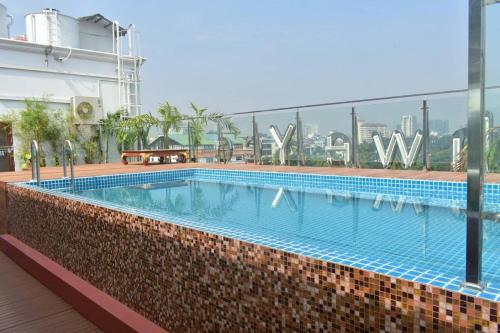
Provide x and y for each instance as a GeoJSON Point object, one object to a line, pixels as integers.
{"type": "Point", "coordinates": [408, 125]}
{"type": "Point", "coordinates": [311, 130]}
{"type": "Point", "coordinates": [439, 126]}
{"type": "Point", "coordinates": [366, 130]}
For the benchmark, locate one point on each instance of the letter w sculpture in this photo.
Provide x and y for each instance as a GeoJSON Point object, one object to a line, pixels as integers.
{"type": "Point", "coordinates": [397, 138]}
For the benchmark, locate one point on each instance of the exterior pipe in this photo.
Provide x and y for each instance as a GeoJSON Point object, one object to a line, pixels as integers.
{"type": "Point", "coordinates": [116, 31]}
{"type": "Point", "coordinates": [11, 17]}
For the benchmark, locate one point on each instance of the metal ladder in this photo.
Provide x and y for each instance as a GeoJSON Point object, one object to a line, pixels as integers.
{"type": "Point", "coordinates": [71, 162]}
{"type": "Point", "coordinates": [35, 162]}
{"type": "Point", "coordinates": [128, 78]}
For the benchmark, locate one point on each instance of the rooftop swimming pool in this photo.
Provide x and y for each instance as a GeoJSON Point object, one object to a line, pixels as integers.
{"type": "Point", "coordinates": [411, 229]}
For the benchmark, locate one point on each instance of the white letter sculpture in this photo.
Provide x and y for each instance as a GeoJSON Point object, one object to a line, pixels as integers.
{"type": "Point", "coordinates": [283, 142]}
{"type": "Point", "coordinates": [455, 151]}
{"type": "Point", "coordinates": [332, 147]}
{"type": "Point", "coordinates": [397, 138]}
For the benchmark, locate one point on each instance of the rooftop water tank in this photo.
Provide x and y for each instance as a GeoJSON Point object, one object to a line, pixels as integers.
{"type": "Point", "coordinates": [3, 21]}
{"type": "Point", "coordinates": [52, 28]}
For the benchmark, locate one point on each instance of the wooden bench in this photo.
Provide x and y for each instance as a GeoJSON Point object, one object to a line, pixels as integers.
{"type": "Point", "coordinates": [182, 155]}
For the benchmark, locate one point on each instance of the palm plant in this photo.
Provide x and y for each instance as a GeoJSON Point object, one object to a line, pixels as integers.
{"type": "Point", "coordinates": [126, 134]}
{"type": "Point", "coordinates": [109, 127]}
{"type": "Point", "coordinates": [143, 124]}
{"type": "Point", "coordinates": [171, 118]}
{"type": "Point", "coordinates": [136, 129]}
{"type": "Point", "coordinates": [92, 147]}
{"type": "Point", "coordinates": [201, 118]}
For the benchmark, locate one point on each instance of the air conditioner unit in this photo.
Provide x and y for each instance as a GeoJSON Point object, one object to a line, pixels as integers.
{"type": "Point", "coordinates": [86, 110]}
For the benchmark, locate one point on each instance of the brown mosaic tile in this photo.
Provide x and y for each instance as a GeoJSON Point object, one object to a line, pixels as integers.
{"type": "Point", "coordinates": [191, 281]}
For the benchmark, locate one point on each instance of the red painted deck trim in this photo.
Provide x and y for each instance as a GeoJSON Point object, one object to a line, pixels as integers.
{"type": "Point", "coordinates": [104, 311]}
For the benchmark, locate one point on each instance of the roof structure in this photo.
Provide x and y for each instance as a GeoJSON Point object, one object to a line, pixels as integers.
{"type": "Point", "coordinates": [99, 18]}
{"type": "Point", "coordinates": [207, 139]}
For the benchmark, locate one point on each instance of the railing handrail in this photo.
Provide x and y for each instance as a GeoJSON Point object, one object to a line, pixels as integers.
{"type": "Point", "coordinates": [353, 101]}
{"type": "Point", "coordinates": [35, 162]}
{"type": "Point", "coordinates": [71, 161]}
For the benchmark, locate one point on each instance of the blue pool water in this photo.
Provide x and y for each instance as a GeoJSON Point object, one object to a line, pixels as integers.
{"type": "Point", "coordinates": [415, 231]}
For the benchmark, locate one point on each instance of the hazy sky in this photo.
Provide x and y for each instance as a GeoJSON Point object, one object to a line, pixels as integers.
{"type": "Point", "coordinates": [242, 55]}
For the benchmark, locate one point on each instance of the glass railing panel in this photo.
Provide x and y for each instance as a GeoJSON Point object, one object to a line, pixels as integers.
{"type": "Point", "coordinates": [273, 127]}
{"type": "Point", "coordinates": [204, 141]}
{"type": "Point", "coordinates": [176, 137]}
{"type": "Point", "coordinates": [326, 136]}
{"type": "Point", "coordinates": [404, 118]}
{"type": "Point", "coordinates": [215, 139]}
{"type": "Point", "coordinates": [448, 131]}
{"type": "Point", "coordinates": [492, 93]}
{"type": "Point", "coordinates": [492, 131]}
{"type": "Point", "coordinates": [377, 122]}
{"type": "Point", "coordinates": [235, 140]}
{"type": "Point", "coordinates": [491, 206]}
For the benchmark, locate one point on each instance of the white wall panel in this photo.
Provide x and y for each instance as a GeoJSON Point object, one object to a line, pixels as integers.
{"type": "Point", "coordinates": [35, 84]}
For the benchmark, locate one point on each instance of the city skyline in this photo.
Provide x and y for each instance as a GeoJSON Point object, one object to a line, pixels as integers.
{"type": "Point", "coordinates": [437, 127]}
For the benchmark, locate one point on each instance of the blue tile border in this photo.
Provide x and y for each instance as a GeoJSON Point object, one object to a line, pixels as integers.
{"type": "Point", "coordinates": [425, 189]}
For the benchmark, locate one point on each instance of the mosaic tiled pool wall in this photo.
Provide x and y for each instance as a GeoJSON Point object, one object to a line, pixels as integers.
{"type": "Point", "coordinates": [3, 208]}
{"type": "Point", "coordinates": [191, 281]}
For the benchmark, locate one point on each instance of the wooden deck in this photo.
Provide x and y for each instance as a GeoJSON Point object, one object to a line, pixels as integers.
{"type": "Point", "coordinates": [28, 306]}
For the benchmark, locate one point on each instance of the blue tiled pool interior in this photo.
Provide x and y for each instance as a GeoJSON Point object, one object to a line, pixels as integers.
{"type": "Point", "coordinates": [412, 229]}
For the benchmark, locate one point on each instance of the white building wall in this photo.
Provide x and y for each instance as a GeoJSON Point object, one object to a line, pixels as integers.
{"type": "Point", "coordinates": [27, 57]}
{"type": "Point", "coordinates": [25, 72]}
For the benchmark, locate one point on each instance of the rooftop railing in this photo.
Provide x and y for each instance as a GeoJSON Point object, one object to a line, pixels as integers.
{"type": "Point", "coordinates": [411, 131]}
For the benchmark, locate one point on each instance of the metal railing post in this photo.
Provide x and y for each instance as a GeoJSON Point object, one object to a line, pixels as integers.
{"type": "Point", "coordinates": [189, 142]}
{"type": "Point", "coordinates": [219, 140]}
{"type": "Point", "coordinates": [35, 162]}
{"type": "Point", "coordinates": [354, 133]}
{"type": "Point", "coordinates": [300, 140]}
{"type": "Point", "coordinates": [71, 162]}
{"type": "Point", "coordinates": [426, 142]}
{"type": "Point", "coordinates": [255, 137]}
{"type": "Point", "coordinates": [475, 160]}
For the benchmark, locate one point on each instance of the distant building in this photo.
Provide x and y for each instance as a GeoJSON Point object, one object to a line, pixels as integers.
{"type": "Point", "coordinates": [408, 125]}
{"type": "Point", "coordinates": [439, 126]}
{"type": "Point", "coordinates": [366, 130]}
{"type": "Point", "coordinates": [268, 146]}
{"type": "Point", "coordinates": [311, 130]}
